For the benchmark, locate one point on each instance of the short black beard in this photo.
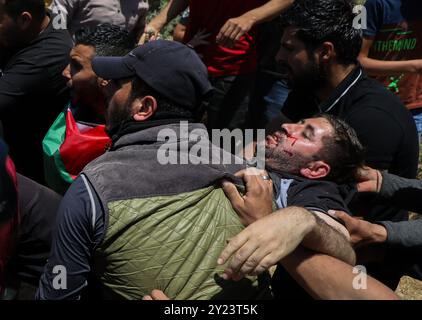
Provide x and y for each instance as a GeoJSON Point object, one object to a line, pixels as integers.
{"type": "Point", "coordinates": [118, 118]}
{"type": "Point", "coordinates": [312, 79]}
{"type": "Point", "coordinates": [278, 161]}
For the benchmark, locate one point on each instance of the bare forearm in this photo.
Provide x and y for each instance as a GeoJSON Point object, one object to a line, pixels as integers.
{"type": "Point", "coordinates": [168, 13]}
{"type": "Point", "coordinates": [268, 11]}
{"type": "Point", "coordinates": [325, 239]}
{"type": "Point", "coordinates": [325, 277]}
{"type": "Point", "coordinates": [267, 241]}
{"type": "Point", "coordinates": [380, 67]}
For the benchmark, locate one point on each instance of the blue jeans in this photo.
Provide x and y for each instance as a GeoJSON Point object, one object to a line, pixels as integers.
{"type": "Point", "coordinates": [275, 98]}
{"type": "Point", "coordinates": [417, 116]}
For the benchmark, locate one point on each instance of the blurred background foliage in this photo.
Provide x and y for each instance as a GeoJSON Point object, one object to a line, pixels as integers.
{"type": "Point", "coordinates": [154, 7]}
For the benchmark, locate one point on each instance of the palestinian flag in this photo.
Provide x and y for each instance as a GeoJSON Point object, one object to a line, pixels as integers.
{"type": "Point", "coordinates": [69, 146]}
{"type": "Point", "coordinates": [9, 215]}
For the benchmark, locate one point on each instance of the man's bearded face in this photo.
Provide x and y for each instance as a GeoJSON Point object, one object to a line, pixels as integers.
{"type": "Point", "coordinates": [302, 67]}
{"type": "Point", "coordinates": [296, 145]}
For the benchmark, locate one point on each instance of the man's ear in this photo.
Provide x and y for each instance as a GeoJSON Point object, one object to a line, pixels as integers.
{"type": "Point", "coordinates": [24, 21]}
{"type": "Point", "coordinates": [144, 108]}
{"type": "Point", "coordinates": [316, 170]}
{"type": "Point", "coordinates": [326, 52]}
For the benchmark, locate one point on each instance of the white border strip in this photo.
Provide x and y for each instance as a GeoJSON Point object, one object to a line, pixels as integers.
{"type": "Point", "coordinates": [91, 197]}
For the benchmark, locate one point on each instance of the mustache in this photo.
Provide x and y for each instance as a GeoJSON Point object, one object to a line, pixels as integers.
{"type": "Point", "coordinates": [280, 132]}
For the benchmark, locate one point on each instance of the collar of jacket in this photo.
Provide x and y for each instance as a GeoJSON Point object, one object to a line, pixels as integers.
{"type": "Point", "coordinates": [156, 132]}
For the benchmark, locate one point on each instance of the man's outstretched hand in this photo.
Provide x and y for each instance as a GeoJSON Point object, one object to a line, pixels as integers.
{"type": "Point", "coordinates": [362, 232]}
{"type": "Point", "coordinates": [234, 29]}
{"type": "Point", "coordinates": [150, 34]}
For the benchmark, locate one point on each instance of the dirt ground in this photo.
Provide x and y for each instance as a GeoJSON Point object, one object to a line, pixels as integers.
{"type": "Point", "coordinates": [409, 289]}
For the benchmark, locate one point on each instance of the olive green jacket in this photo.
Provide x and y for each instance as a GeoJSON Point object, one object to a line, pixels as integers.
{"type": "Point", "coordinates": [166, 224]}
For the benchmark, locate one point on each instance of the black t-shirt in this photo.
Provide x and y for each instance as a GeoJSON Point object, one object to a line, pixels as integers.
{"type": "Point", "coordinates": [314, 195]}
{"type": "Point", "coordinates": [32, 94]}
{"type": "Point", "coordinates": [384, 126]}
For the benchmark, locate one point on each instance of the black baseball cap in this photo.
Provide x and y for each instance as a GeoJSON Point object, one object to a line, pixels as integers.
{"type": "Point", "coordinates": [172, 69]}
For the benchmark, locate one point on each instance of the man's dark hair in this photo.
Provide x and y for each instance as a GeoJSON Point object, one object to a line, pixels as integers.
{"type": "Point", "coordinates": [107, 39]}
{"type": "Point", "coordinates": [166, 109]}
{"type": "Point", "coordinates": [342, 151]}
{"type": "Point", "coordinates": [326, 20]}
{"type": "Point", "coordinates": [35, 7]}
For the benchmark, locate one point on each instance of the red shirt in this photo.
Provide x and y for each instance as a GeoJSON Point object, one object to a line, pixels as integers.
{"type": "Point", "coordinates": [211, 15]}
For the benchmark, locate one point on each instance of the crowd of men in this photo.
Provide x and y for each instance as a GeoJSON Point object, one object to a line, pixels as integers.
{"type": "Point", "coordinates": [92, 101]}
